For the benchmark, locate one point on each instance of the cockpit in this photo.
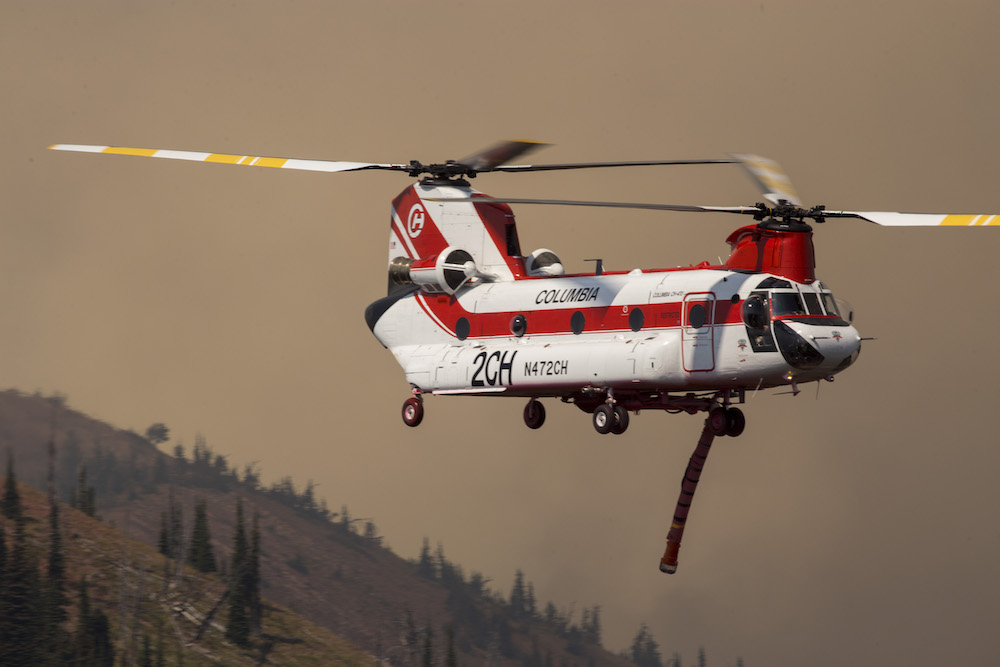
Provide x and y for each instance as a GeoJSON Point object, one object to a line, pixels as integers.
{"type": "Point", "coordinates": [777, 299]}
{"type": "Point", "coordinates": [781, 316]}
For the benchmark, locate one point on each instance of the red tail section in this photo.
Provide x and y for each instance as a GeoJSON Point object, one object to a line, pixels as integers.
{"type": "Point", "coordinates": [424, 224]}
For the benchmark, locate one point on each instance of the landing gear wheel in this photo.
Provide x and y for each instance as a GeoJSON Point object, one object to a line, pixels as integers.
{"type": "Point", "coordinates": [718, 423]}
{"type": "Point", "coordinates": [621, 420]}
{"type": "Point", "coordinates": [735, 422]}
{"type": "Point", "coordinates": [413, 411]}
{"type": "Point", "coordinates": [534, 414]}
{"type": "Point", "coordinates": [604, 418]}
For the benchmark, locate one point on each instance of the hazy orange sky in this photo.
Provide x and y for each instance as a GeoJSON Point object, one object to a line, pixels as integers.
{"type": "Point", "coordinates": [860, 526]}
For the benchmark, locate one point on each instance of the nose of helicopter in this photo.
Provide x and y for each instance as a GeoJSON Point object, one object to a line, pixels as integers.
{"type": "Point", "coordinates": [817, 347]}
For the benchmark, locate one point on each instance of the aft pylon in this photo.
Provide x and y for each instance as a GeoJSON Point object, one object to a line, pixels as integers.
{"type": "Point", "coordinates": [692, 474]}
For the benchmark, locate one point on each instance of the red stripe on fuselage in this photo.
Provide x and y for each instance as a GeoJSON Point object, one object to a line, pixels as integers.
{"type": "Point", "coordinates": [432, 313]}
{"type": "Point", "coordinates": [445, 312]}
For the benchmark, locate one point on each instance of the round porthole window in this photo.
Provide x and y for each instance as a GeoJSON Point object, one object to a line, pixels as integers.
{"type": "Point", "coordinates": [578, 322]}
{"type": "Point", "coordinates": [519, 325]}
{"type": "Point", "coordinates": [462, 328]}
{"type": "Point", "coordinates": [636, 319]}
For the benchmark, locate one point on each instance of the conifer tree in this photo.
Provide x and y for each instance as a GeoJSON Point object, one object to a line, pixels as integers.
{"type": "Point", "coordinates": [592, 625]}
{"type": "Point", "coordinates": [171, 527]}
{"type": "Point", "coordinates": [54, 593]}
{"type": "Point", "coordinates": [238, 623]}
{"type": "Point", "coordinates": [22, 640]}
{"type": "Point", "coordinates": [256, 605]}
{"type": "Point", "coordinates": [451, 657]}
{"type": "Point", "coordinates": [163, 543]}
{"type": "Point", "coordinates": [81, 642]}
{"type": "Point", "coordinates": [146, 657]}
{"type": "Point", "coordinates": [3, 562]}
{"type": "Point", "coordinates": [4, 616]}
{"type": "Point", "coordinates": [11, 505]}
{"type": "Point", "coordinates": [92, 644]}
{"type": "Point", "coordinates": [517, 595]}
{"type": "Point", "coordinates": [85, 498]}
{"type": "Point", "coordinates": [425, 567]}
{"type": "Point", "coordinates": [411, 637]}
{"type": "Point", "coordinates": [200, 555]}
{"type": "Point", "coordinates": [645, 651]}
{"type": "Point", "coordinates": [161, 659]}
{"type": "Point", "coordinates": [428, 647]}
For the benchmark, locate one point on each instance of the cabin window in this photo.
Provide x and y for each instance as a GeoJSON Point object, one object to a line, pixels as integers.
{"type": "Point", "coordinates": [697, 316]}
{"type": "Point", "coordinates": [519, 325]}
{"type": "Point", "coordinates": [462, 328]}
{"type": "Point", "coordinates": [578, 322]}
{"type": "Point", "coordinates": [636, 319]}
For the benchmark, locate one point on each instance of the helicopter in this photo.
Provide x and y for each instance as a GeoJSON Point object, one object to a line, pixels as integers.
{"type": "Point", "coordinates": [467, 312]}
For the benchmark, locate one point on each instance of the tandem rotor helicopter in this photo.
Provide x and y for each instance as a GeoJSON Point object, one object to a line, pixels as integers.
{"type": "Point", "coordinates": [469, 313]}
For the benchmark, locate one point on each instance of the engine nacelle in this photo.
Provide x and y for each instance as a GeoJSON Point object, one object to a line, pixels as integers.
{"type": "Point", "coordinates": [445, 272]}
{"type": "Point", "coordinates": [544, 262]}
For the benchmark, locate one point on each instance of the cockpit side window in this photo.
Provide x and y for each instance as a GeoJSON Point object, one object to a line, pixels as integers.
{"type": "Point", "coordinates": [831, 304]}
{"type": "Point", "coordinates": [786, 303]}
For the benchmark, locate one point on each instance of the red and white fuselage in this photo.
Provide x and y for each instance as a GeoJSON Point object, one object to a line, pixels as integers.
{"type": "Point", "coordinates": [479, 318]}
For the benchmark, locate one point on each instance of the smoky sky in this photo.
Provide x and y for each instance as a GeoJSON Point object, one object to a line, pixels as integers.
{"type": "Point", "coordinates": [856, 521]}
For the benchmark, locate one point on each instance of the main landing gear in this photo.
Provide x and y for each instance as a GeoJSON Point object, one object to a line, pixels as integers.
{"type": "Point", "coordinates": [413, 410]}
{"type": "Point", "coordinates": [611, 411]}
{"type": "Point", "coordinates": [610, 418]}
{"type": "Point", "coordinates": [726, 421]}
{"type": "Point", "coordinates": [534, 414]}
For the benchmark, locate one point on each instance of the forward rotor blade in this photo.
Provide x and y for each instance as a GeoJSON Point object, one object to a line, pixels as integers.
{"type": "Point", "coordinates": [769, 177]}
{"type": "Point", "coordinates": [746, 210]}
{"type": "Point", "coordinates": [245, 160]}
{"type": "Point", "coordinates": [893, 219]}
{"type": "Point", "coordinates": [505, 151]}
{"type": "Point", "coordinates": [591, 165]}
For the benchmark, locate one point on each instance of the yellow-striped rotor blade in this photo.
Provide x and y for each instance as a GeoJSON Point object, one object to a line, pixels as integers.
{"type": "Point", "coordinates": [770, 178]}
{"type": "Point", "coordinates": [893, 219]}
{"type": "Point", "coordinates": [223, 158]}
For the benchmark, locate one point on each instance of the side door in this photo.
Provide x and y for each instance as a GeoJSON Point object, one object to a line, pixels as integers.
{"type": "Point", "coordinates": [697, 331]}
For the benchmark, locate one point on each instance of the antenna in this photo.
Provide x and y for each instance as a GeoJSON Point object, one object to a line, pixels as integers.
{"type": "Point", "coordinates": [599, 267]}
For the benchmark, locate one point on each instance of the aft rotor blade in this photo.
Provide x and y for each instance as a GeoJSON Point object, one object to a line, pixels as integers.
{"type": "Point", "coordinates": [223, 158]}
{"type": "Point", "coordinates": [746, 210]}
{"type": "Point", "coordinates": [592, 165]}
{"type": "Point", "coordinates": [893, 219]}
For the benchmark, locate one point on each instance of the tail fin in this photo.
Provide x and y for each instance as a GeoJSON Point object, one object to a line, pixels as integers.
{"type": "Point", "coordinates": [424, 224]}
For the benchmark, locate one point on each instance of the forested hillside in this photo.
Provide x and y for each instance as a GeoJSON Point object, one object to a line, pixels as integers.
{"type": "Point", "coordinates": [75, 591]}
{"type": "Point", "coordinates": [197, 509]}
